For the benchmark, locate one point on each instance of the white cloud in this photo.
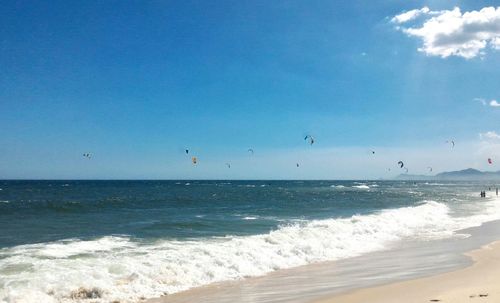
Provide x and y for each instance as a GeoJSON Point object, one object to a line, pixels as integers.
{"type": "Point", "coordinates": [495, 43]}
{"type": "Point", "coordinates": [410, 15]}
{"type": "Point", "coordinates": [494, 103]}
{"type": "Point", "coordinates": [491, 135]}
{"type": "Point", "coordinates": [451, 33]}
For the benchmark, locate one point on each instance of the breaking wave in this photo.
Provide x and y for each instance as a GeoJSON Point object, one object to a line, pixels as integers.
{"type": "Point", "coordinates": [118, 268]}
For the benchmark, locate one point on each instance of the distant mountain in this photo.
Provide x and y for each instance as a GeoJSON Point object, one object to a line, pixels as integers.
{"type": "Point", "coordinates": [469, 174]}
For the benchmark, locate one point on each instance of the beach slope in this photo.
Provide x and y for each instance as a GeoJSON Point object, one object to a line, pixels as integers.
{"type": "Point", "coordinates": [478, 283]}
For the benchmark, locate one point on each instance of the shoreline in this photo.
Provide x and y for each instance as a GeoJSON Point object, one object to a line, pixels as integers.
{"type": "Point", "coordinates": [479, 281]}
{"type": "Point", "coordinates": [326, 282]}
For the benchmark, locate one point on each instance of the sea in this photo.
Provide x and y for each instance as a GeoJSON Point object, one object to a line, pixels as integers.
{"type": "Point", "coordinates": [127, 241]}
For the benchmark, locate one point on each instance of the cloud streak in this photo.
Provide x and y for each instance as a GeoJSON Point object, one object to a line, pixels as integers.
{"type": "Point", "coordinates": [490, 135]}
{"type": "Point", "coordinates": [410, 15]}
{"type": "Point", "coordinates": [492, 103]}
{"type": "Point", "coordinates": [453, 33]}
{"type": "Point", "coordinates": [483, 102]}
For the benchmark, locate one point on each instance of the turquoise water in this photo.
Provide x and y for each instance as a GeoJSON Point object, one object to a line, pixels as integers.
{"type": "Point", "coordinates": [127, 240]}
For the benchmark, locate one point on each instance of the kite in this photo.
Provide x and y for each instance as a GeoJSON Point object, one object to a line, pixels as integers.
{"type": "Point", "coordinates": [310, 138]}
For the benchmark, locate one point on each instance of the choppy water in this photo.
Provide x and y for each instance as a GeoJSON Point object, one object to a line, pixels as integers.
{"type": "Point", "coordinates": [61, 241]}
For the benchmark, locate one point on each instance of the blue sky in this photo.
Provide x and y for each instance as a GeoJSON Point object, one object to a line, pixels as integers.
{"type": "Point", "coordinates": [135, 82]}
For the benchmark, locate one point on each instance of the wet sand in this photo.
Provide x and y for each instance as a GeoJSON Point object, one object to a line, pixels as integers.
{"type": "Point", "coordinates": [479, 282]}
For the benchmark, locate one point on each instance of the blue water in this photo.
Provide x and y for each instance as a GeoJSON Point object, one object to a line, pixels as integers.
{"type": "Point", "coordinates": [42, 211]}
{"type": "Point", "coordinates": [166, 236]}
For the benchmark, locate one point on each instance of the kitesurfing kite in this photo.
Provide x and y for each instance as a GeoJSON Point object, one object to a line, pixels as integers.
{"type": "Point", "coordinates": [87, 155]}
{"type": "Point", "coordinates": [430, 169]}
{"type": "Point", "coordinates": [194, 160]}
{"type": "Point", "coordinates": [310, 139]}
{"type": "Point", "coordinates": [451, 142]}
{"type": "Point", "coordinates": [187, 151]}
{"type": "Point", "coordinates": [490, 161]}
{"type": "Point", "coordinates": [228, 165]}
{"type": "Point", "coordinates": [297, 164]}
{"type": "Point", "coordinates": [401, 164]}
{"type": "Point", "coordinates": [250, 151]}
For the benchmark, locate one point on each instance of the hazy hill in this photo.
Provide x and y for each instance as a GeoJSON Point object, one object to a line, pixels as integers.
{"type": "Point", "coordinates": [469, 174]}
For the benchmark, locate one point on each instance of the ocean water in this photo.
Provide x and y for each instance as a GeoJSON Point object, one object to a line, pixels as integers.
{"type": "Point", "coordinates": [123, 241]}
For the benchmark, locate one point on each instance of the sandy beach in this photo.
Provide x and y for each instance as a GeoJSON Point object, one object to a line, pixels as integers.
{"type": "Point", "coordinates": [479, 282]}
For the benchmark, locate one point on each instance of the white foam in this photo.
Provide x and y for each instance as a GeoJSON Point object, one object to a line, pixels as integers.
{"type": "Point", "coordinates": [364, 186]}
{"type": "Point", "coordinates": [411, 192]}
{"type": "Point", "coordinates": [126, 270]}
{"type": "Point", "coordinates": [249, 218]}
